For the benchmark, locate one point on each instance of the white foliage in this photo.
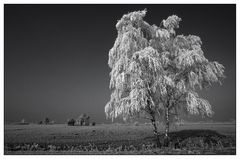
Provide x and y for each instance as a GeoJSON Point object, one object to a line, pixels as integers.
{"type": "Point", "coordinates": [154, 69]}
{"type": "Point", "coordinates": [164, 58]}
{"type": "Point", "coordinates": [148, 57]}
{"type": "Point", "coordinates": [192, 103]}
{"type": "Point", "coordinates": [196, 105]}
{"type": "Point", "coordinates": [168, 81]}
{"type": "Point", "coordinates": [131, 18]}
{"type": "Point", "coordinates": [171, 23]}
{"type": "Point", "coordinates": [188, 58]}
{"type": "Point", "coordinates": [162, 33]}
{"type": "Point", "coordinates": [180, 87]}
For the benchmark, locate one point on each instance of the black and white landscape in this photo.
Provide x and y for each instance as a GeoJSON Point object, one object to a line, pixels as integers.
{"type": "Point", "coordinates": [120, 79]}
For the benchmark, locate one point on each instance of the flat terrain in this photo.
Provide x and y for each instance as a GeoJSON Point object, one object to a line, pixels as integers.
{"type": "Point", "coordinates": [111, 139]}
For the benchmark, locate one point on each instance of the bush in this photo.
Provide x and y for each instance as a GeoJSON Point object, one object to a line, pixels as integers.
{"type": "Point", "coordinates": [71, 122]}
{"type": "Point", "coordinates": [47, 120]}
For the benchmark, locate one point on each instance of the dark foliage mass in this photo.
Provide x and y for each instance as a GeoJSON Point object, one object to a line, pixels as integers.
{"type": "Point", "coordinates": [71, 122]}
{"type": "Point", "coordinates": [47, 121]}
{"type": "Point", "coordinates": [199, 138]}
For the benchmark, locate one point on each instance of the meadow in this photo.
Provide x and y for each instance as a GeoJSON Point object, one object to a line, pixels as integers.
{"type": "Point", "coordinates": [116, 138]}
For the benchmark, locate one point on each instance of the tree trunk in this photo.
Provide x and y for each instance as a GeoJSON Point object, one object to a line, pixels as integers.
{"type": "Point", "coordinates": [166, 138]}
{"type": "Point", "coordinates": [155, 131]}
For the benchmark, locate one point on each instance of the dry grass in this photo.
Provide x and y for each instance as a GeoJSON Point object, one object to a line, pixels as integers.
{"type": "Point", "coordinates": [117, 139]}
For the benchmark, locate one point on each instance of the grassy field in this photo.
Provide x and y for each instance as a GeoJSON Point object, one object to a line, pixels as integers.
{"type": "Point", "coordinates": [118, 139]}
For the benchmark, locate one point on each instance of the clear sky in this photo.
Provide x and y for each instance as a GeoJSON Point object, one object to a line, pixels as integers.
{"type": "Point", "coordinates": [55, 56]}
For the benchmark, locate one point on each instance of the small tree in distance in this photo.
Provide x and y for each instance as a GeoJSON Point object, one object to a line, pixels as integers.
{"type": "Point", "coordinates": [71, 122]}
{"type": "Point", "coordinates": [156, 73]}
{"type": "Point", "coordinates": [46, 121]}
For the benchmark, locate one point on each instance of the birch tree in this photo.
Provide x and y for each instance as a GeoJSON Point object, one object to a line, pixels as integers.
{"type": "Point", "coordinates": [155, 73]}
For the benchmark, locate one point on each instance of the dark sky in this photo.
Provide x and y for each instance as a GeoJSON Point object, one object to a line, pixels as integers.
{"type": "Point", "coordinates": [55, 56]}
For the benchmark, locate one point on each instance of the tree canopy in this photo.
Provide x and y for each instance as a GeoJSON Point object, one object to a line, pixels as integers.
{"type": "Point", "coordinates": [153, 70]}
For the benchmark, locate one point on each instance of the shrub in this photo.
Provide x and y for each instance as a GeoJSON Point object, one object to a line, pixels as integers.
{"type": "Point", "coordinates": [71, 122]}
{"type": "Point", "coordinates": [47, 120]}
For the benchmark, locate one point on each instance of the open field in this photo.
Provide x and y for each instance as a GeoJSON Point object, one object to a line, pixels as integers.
{"type": "Point", "coordinates": [118, 139]}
